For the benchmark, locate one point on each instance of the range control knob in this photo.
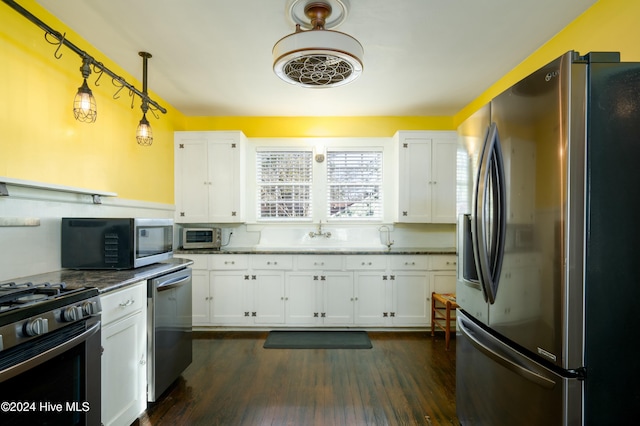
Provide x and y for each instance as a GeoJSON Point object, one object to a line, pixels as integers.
{"type": "Point", "coordinates": [90, 308]}
{"type": "Point", "coordinates": [71, 313]}
{"type": "Point", "coordinates": [36, 327]}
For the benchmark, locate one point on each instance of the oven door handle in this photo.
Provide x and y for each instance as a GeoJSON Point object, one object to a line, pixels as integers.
{"type": "Point", "coordinates": [173, 283]}
{"type": "Point", "coordinates": [45, 356]}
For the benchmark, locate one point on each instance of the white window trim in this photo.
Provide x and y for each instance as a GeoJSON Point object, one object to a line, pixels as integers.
{"type": "Point", "coordinates": [319, 188]}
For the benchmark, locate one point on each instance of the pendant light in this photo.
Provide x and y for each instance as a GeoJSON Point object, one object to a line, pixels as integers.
{"type": "Point", "coordinates": [144, 135]}
{"type": "Point", "coordinates": [318, 57]}
{"type": "Point", "coordinates": [84, 104]}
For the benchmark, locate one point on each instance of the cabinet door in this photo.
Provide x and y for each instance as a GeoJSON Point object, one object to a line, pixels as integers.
{"type": "Point", "coordinates": [301, 300]}
{"type": "Point", "coordinates": [268, 297]}
{"type": "Point", "coordinates": [124, 370]}
{"type": "Point", "coordinates": [411, 298]}
{"type": "Point", "coordinates": [414, 197]}
{"type": "Point", "coordinates": [201, 297]}
{"type": "Point", "coordinates": [224, 178]}
{"type": "Point", "coordinates": [228, 301]}
{"type": "Point", "coordinates": [191, 178]}
{"type": "Point", "coordinates": [338, 297]}
{"type": "Point", "coordinates": [370, 291]}
{"type": "Point", "coordinates": [443, 181]}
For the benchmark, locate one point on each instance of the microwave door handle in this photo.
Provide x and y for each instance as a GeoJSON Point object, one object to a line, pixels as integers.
{"type": "Point", "coordinates": [173, 283]}
{"type": "Point", "coordinates": [48, 354]}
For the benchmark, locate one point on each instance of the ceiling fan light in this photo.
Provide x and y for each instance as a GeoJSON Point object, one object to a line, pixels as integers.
{"type": "Point", "coordinates": [318, 58]}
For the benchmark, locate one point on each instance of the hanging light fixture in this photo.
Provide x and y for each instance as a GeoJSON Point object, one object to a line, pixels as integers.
{"type": "Point", "coordinates": [84, 104]}
{"type": "Point", "coordinates": [317, 57]}
{"type": "Point", "coordinates": [144, 135]}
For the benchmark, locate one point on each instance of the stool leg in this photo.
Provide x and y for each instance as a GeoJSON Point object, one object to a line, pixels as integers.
{"type": "Point", "coordinates": [433, 314]}
{"type": "Point", "coordinates": [448, 326]}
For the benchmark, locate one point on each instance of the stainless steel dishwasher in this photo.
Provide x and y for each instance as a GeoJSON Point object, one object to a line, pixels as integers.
{"type": "Point", "coordinates": [169, 330]}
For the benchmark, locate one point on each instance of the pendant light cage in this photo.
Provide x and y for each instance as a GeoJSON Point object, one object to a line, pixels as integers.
{"type": "Point", "coordinates": [84, 104]}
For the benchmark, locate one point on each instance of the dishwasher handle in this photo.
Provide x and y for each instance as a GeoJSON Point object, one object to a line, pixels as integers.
{"type": "Point", "coordinates": [173, 283]}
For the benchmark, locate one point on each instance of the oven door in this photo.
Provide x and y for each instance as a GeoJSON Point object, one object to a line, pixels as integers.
{"type": "Point", "coordinates": [53, 380]}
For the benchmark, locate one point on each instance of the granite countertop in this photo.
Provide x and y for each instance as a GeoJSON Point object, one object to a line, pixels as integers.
{"type": "Point", "coordinates": [253, 250]}
{"type": "Point", "coordinates": [107, 280]}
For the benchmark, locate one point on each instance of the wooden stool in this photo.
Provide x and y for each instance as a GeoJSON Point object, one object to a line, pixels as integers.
{"type": "Point", "coordinates": [440, 320]}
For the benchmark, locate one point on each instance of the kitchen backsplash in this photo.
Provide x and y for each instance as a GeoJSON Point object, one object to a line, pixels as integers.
{"type": "Point", "coordinates": [331, 236]}
{"type": "Point", "coordinates": [28, 250]}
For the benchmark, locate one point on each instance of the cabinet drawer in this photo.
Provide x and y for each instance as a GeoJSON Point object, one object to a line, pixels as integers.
{"type": "Point", "coordinates": [228, 261]}
{"type": "Point", "coordinates": [443, 262]}
{"type": "Point", "coordinates": [322, 262]}
{"type": "Point", "coordinates": [366, 262]}
{"type": "Point", "coordinates": [200, 261]}
{"type": "Point", "coordinates": [409, 262]}
{"type": "Point", "coordinates": [121, 303]}
{"type": "Point", "coordinates": [271, 262]}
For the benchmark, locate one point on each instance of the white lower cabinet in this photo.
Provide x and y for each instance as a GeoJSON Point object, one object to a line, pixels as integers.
{"type": "Point", "coordinates": [301, 298]}
{"type": "Point", "coordinates": [124, 356]}
{"type": "Point", "coordinates": [410, 298]}
{"type": "Point", "coordinates": [228, 297]}
{"type": "Point", "coordinates": [267, 290]}
{"type": "Point", "coordinates": [371, 298]}
{"type": "Point", "coordinates": [337, 297]}
{"type": "Point", "coordinates": [319, 297]}
{"type": "Point", "coordinates": [317, 290]}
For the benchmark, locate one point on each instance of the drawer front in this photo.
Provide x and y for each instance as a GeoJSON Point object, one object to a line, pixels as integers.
{"type": "Point", "coordinates": [409, 263]}
{"type": "Point", "coordinates": [121, 303]}
{"type": "Point", "coordinates": [321, 262]}
{"type": "Point", "coordinates": [260, 261]}
{"type": "Point", "coordinates": [366, 262]}
{"type": "Point", "coordinates": [200, 261]}
{"type": "Point", "coordinates": [443, 262]}
{"type": "Point", "coordinates": [228, 261]}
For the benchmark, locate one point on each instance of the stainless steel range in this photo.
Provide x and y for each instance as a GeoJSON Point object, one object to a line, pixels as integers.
{"type": "Point", "coordinates": [49, 354]}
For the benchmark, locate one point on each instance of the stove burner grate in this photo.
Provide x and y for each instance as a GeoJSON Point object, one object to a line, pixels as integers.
{"type": "Point", "coordinates": [24, 293]}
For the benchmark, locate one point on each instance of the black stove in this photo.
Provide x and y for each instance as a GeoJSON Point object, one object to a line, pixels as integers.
{"type": "Point", "coordinates": [29, 310]}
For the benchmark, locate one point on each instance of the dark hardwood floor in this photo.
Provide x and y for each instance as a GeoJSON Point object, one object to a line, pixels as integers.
{"type": "Point", "coordinates": [408, 378]}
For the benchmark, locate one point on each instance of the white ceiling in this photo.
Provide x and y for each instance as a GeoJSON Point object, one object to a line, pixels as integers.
{"type": "Point", "coordinates": [213, 57]}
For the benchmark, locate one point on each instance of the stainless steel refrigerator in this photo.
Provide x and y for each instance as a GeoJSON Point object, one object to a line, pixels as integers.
{"type": "Point", "coordinates": [548, 243]}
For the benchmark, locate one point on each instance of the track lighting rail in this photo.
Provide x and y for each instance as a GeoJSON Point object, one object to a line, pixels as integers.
{"type": "Point", "coordinates": [62, 40]}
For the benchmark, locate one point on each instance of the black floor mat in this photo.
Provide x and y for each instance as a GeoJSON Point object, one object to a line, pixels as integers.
{"type": "Point", "coordinates": [317, 339]}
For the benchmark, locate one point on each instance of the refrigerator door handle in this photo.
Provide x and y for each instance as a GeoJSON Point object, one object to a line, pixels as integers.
{"type": "Point", "coordinates": [465, 327]}
{"type": "Point", "coordinates": [490, 205]}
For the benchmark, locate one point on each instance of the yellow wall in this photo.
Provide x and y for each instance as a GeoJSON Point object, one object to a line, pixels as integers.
{"type": "Point", "coordinates": [266, 127]}
{"type": "Point", "coordinates": [609, 25]}
{"type": "Point", "coordinates": [41, 141]}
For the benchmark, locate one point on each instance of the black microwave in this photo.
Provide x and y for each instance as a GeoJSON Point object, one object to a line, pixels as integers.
{"type": "Point", "coordinates": [115, 243]}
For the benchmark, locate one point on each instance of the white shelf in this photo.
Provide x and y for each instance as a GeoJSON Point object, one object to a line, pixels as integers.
{"type": "Point", "coordinates": [4, 181]}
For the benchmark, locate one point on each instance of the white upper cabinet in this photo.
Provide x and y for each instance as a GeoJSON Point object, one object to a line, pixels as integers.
{"type": "Point", "coordinates": [426, 179]}
{"type": "Point", "coordinates": [209, 177]}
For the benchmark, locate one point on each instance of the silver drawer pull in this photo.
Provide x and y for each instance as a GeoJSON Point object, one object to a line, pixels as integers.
{"type": "Point", "coordinates": [127, 303]}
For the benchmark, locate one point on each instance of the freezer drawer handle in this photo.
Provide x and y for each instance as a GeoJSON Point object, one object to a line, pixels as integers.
{"type": "Point", "coordinates": [518, 369]}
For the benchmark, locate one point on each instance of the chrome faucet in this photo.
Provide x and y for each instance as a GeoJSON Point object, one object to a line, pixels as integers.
{"type": "Point", "coordinates": [319, 232]}
{"type": "Point", "coordinates": [389, 243]}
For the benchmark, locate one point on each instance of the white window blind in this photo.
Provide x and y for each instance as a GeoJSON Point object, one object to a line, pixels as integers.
{"type": "Point", "coordinates": [284, 180]}
{"type": "Point", "coordinates": [354, 180]}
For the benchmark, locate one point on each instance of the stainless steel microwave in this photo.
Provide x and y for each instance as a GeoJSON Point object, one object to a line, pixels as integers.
{"type": "Point", "coordinates": [115, 243]}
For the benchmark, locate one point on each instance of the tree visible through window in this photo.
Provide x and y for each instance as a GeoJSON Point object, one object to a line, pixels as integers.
{"type": "Point", "coordinates": [284, 181]}
{"type": "Point", "coordinates": [354, 180]}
